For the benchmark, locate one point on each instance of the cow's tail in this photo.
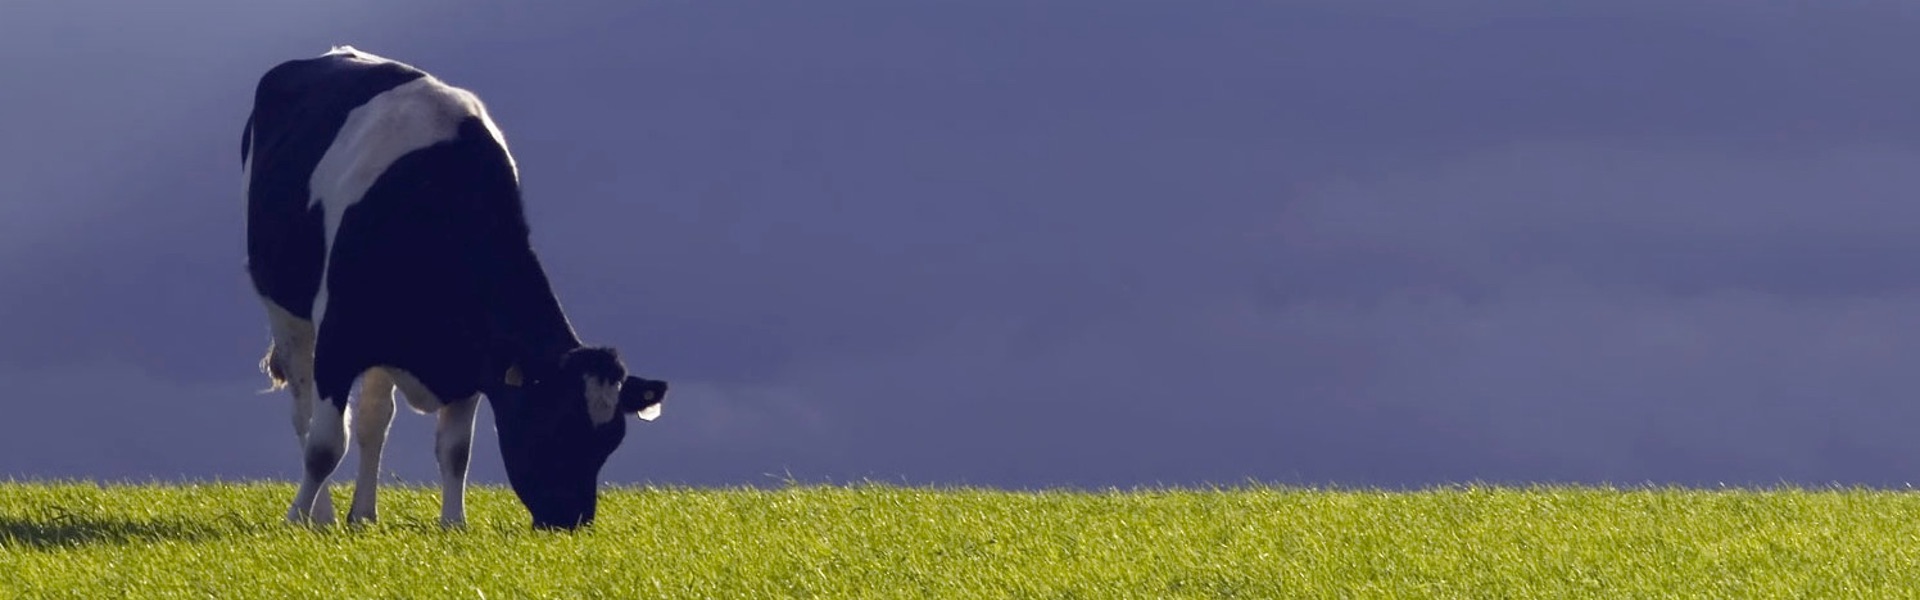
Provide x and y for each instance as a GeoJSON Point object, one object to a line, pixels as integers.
{"type": "Point", "coordinates": [274, 366]}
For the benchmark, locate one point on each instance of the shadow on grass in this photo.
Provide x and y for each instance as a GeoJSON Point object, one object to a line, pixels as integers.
{"type": "Point", "coordinates": [74, 530]}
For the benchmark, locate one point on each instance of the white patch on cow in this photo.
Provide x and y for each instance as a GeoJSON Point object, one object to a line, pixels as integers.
{"type": "Point", "coordinates": [414, 115]}
{"type": "Point", "coordinates": [603, 399]}
{"type": "Point", "coordinates": [419, 398]}
{"type": "Point", "coordinates": [342, 49]}
{"type": "Point", "coordinates": [409, 117]}
{"type": "Point", "coordinates": [320, 299]}
{"type": "Point", "coordinates": [290, 353]}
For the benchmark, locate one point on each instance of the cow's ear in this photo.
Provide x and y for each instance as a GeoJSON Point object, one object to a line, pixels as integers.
{"type": "Point", "coordinates": [642, 397]}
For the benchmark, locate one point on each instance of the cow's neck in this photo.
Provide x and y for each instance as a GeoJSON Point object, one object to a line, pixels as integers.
{"type": "Point", "coordinates": [528, 315]}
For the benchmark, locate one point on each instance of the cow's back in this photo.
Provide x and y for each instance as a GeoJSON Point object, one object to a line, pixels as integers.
{"type": "Point", "coordinates": [298, 110]}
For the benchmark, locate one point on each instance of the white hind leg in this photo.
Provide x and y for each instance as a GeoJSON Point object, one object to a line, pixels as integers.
{"type": "Point", "coordinates": [326, 442]}
{"type": "Point", "coordinates": [289, 364]}
{"type": "Point", "coordinates": [371, 419]}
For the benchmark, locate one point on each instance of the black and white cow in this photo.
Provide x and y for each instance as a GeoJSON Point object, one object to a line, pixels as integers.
{"type": "Point", "coordinates": [387, 240]}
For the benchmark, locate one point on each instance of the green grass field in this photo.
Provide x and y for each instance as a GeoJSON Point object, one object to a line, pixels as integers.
{"type": "Point", "coordinates": [82, 540]}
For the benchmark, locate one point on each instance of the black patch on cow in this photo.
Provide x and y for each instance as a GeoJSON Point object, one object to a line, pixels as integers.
{"type": "Point", "coordinates": [422, 268]}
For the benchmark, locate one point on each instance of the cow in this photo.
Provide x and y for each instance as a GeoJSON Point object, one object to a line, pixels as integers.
{"type": "Point", "coordinates": [387, 240]}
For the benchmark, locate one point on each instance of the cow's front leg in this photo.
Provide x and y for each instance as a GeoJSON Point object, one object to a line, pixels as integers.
{"type": "Point", "coordinates": [326, 442]}
{"type": "Point", "coordinates": [453, 445]}
{"type": "Point", "coordinates": [371, 419]}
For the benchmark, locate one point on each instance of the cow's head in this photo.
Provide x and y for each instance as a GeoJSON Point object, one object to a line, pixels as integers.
{"type": "Point", "coordinates": [558, 425]}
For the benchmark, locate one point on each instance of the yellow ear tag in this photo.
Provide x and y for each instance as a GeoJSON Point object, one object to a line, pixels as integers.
{"type": "Point", "coordinates": [513, 376]}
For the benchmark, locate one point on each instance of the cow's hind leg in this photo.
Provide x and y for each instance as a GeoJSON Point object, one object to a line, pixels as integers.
{"type": "Point", "coordinates": [371, 419]}
{"type": "Point", "coordinates": [453, 445]}
{"type": "Point", "coordinates": [326, 443]}
{"type": "Point", "coordinates": [326, 431]}
{"type": "Point", "coordinates": [303, 402]}
{"type": "Point", "coordinates": [289, 364]}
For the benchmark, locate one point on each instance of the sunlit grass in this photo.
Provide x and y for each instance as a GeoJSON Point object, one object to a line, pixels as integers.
{"type": "Point", "coordinates": [82, 540]}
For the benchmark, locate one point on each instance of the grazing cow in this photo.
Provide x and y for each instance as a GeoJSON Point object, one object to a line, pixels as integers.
{"type": "Point", "coordinates": [387, 240]}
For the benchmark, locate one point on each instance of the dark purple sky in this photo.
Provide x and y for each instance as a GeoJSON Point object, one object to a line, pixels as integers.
{"type": "Point", "coordinates": [1365, 242]}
